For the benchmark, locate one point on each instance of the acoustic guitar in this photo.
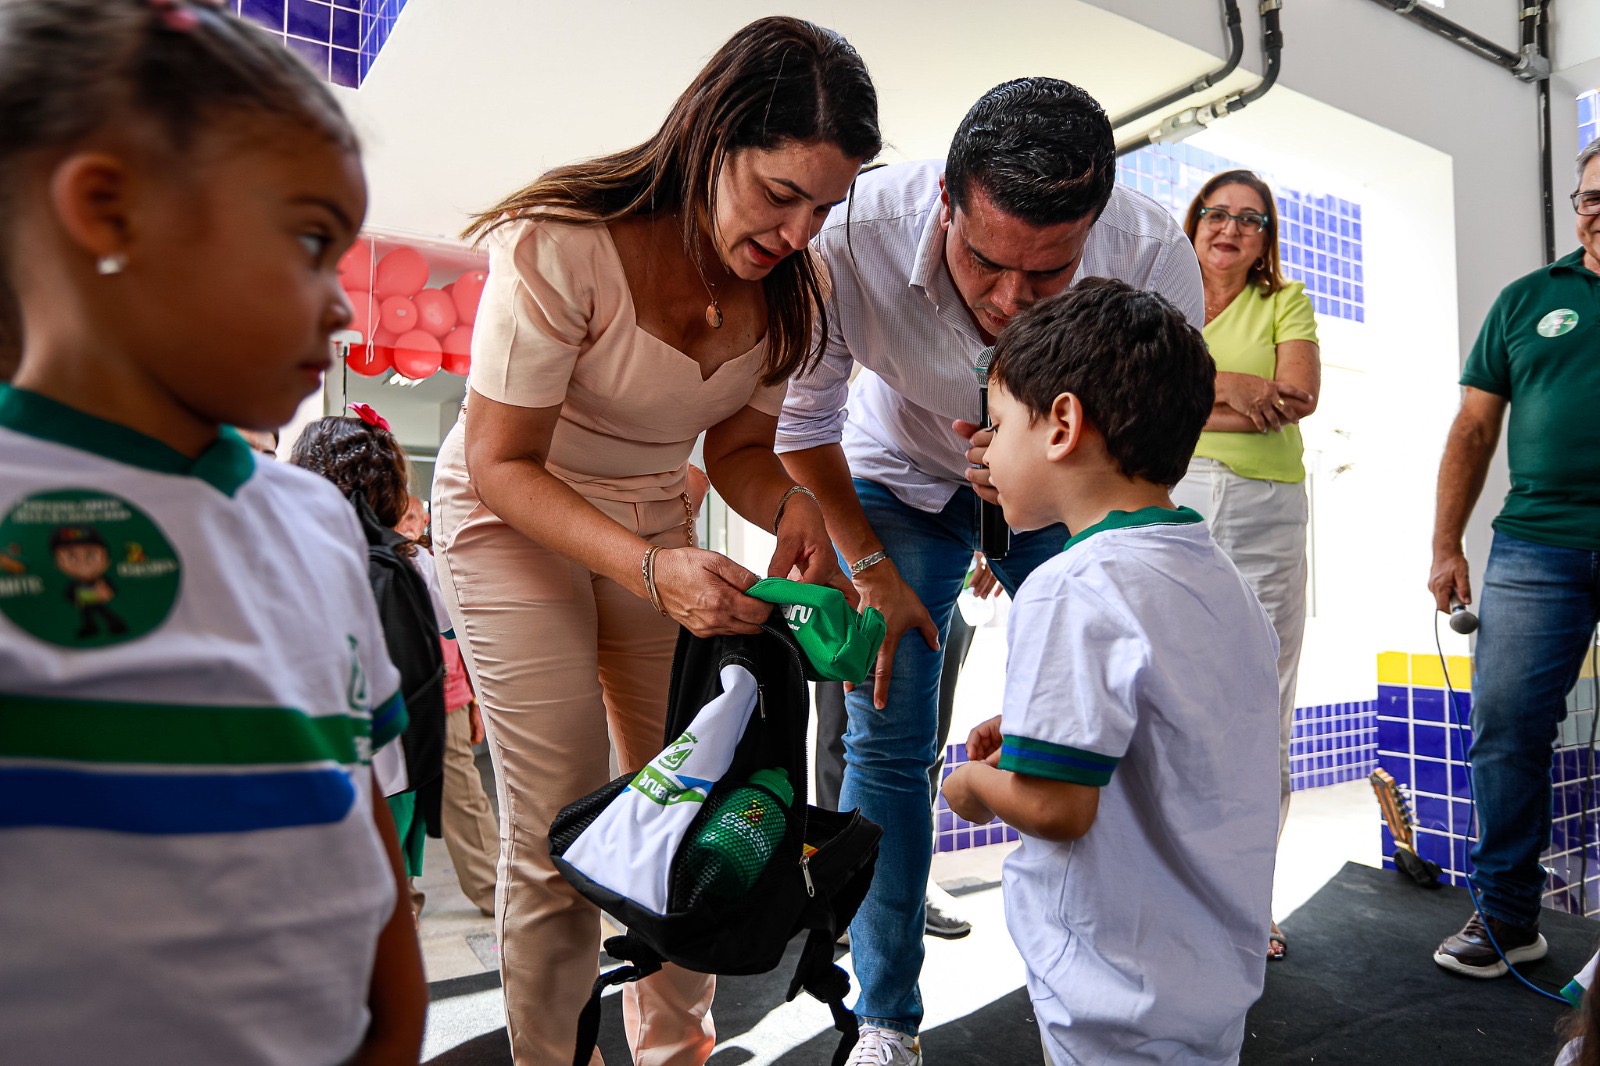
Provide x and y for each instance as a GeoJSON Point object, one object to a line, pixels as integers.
{"type": "Point", "coordinates": [1402, 826]}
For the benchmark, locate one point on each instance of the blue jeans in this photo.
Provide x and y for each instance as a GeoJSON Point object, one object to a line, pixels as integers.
{"type": "Point", "coordinates": [1538, 611]}
{"type": "Point", "coordinates": [888, 752]}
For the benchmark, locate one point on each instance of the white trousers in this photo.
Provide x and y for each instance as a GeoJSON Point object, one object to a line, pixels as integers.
{"type": "Point", "coordinates": [1261, 525]}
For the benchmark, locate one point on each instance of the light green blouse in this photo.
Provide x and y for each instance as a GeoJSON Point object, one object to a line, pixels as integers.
{"type": "Point", "coordinates": [1244, 339]}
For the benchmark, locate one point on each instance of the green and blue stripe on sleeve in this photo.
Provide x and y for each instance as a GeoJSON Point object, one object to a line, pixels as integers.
{"type": "Point", "coordinates": [1056, 762]}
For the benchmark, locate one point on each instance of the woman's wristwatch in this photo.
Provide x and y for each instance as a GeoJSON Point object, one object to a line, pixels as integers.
{"type": "Point", "coordinates": [871, 560]}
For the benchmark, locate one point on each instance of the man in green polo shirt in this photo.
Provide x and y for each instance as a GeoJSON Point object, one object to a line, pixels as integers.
{"type": "Point", "coordinates": [1538, 355]}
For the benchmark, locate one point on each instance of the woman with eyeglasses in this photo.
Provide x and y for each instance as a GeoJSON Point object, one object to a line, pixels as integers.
{"type": "Point", "coordinates": [1246, 477]}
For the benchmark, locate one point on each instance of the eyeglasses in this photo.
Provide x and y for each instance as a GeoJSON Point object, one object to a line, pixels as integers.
{"type": "Point", "coordinates": [1586, 201]}
{"type": "Point", "coordinates": [1249, 221]}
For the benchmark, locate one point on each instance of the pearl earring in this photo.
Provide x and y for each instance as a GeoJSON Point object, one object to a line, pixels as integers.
{"type": "Point", "coordinates": [110, 264]}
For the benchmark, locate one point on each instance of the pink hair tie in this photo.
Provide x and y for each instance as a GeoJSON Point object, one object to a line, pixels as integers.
{"type": "Point", "coordinates": [369, 416]}
{"type": "Point", "coordinates": [179, 16]}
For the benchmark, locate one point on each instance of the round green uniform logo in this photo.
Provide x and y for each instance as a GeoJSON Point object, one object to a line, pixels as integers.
{"type": "Point", "coordinates": [85, 569]}
{"type": "Point", "coordinates": [1558, 322]}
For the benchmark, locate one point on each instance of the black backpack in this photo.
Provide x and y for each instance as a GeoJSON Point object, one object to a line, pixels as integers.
{"type": "Point", "coordinates": [817, 895]}
{"type": "Point", "coordinates": [412, 637]}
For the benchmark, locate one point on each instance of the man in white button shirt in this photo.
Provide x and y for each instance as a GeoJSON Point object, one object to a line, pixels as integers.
{"type": "Point", "coordinates": [929, 263]}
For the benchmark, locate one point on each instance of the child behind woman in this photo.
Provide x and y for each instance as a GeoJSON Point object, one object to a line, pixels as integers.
{"type": "Point", "coordinates": [365, 462]}
{"type": "Point", "coordinates": [192, 674]}
{"type": "Point", "coordinates": [1137, 747]}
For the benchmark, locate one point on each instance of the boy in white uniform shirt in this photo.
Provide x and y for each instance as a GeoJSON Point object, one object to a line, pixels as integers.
{"type": "Point", "coordinates": [1137, 748]}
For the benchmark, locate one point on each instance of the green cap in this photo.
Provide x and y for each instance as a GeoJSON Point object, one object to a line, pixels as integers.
{"type": "Point", "coordinates": [839, 643]}
{"type": "Point", "coordinates": [775, 781]}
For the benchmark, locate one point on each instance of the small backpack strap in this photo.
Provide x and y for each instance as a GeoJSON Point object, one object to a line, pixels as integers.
{"type": "Point", "coordinates": [818, 976]}
{"type": "Point", "coordinates": [645, 962]}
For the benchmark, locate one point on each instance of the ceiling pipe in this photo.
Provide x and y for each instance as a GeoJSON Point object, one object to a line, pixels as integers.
{"type": "Point", "coordinates": [1231, 26]}
{"type": "Point", "coordinates": [1188, 122]}
{"type": "Point", "coordinates": [1531, 63]}
{"type": "Point", "coordinates": [1535, 28]}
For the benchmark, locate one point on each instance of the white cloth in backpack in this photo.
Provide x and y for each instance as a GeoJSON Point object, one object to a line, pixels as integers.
{"type": "Point", "coordinates": [629, 847]}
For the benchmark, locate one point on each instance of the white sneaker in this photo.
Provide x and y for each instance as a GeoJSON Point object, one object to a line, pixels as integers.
{"type": "Point", "coordinates": [878, 1046]}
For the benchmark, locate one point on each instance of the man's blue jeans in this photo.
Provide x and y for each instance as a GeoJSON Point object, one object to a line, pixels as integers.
{"type": "Point", "coordinates": [1538, 611]}
{"type": "Point", "coordinates": [888, 752]}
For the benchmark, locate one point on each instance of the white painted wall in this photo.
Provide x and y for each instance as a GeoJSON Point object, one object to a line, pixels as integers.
{"type": "Point", "coordinates": [1370, 63]}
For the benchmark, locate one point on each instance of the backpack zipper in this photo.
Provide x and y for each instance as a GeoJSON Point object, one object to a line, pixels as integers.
{"type": "Point", "coordinates": [805, 870]}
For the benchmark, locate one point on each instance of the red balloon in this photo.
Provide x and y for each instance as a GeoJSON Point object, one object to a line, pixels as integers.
{"type": "Point", "coordinates": [361, 313]}
{"type": "Point", "coordinates": [355, 266]}
{"type": "Point", "coordinates": [403, 272]}
{"type": "Point", "coordinates": [436, 312]}
{"type": "Point", "coordinates": [384, 338]}
{"type": "Point", "coordinates": [397, 315]}
{"type": "Point", "coordinates": [417, 355]}
{"type": "Point", "coordinates": [457, 346]}
{"type": "Point", "coordinates": [468, 290]}
{"type": "Point", "coordinates": [369, 360]}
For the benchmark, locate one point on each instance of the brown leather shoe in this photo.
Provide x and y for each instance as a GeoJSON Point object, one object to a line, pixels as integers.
{"type": "Point", "coordinates": [1471, 953]}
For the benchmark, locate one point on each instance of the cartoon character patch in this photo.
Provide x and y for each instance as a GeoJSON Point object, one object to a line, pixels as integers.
{"type": "Point", "coordinates": [85, 569]}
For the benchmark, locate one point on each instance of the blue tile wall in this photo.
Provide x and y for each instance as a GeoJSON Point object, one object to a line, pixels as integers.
{"type": "Point", "coordinates": [339, 39]}
{"type": "Point", "coordinates": [1319, 236]}
{"type": "Point", "coordinates": [954, 833]}
{"type": "Point", "coordinates": [1332, 743]}
{"type": "Point", "coordinates": [1588, 117]}
{"type": "Point", "coordinates": [1421, 745]}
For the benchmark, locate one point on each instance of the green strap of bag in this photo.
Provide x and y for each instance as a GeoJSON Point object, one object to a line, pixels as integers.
{"type": "Point", "coordinates": [840, 643]}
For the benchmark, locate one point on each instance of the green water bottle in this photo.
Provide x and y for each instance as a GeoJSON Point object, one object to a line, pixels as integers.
{"type": "Point", "coordinates": [728, 854]}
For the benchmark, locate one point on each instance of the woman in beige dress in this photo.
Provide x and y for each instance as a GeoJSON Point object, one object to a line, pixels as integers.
{"type": "Point", "coordinates": [634, 301]}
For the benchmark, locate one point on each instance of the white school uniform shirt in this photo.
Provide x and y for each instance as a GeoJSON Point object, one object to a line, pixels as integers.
{"type": "Point", "coordinates": [188, 861]}
{"type": "Point", "coordinates": [1141, 663]}
{"type": "Point", "coordinates": [895, 311]}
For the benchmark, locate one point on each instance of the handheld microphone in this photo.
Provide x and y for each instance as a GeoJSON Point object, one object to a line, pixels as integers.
{"type": "Point", "coordinates": [994, 536]}
{"type": "Point", "coordinates": [1461, 619]}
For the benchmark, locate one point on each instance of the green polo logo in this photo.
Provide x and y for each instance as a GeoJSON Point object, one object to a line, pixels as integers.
{"type": "Point", "coordinates": [85, 569]}
{"type": "Point", "coordinates": [1558, 322]}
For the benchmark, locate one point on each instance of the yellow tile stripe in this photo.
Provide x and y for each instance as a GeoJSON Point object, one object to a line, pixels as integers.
{"type": "Point", "coordinates": [1423, 670]}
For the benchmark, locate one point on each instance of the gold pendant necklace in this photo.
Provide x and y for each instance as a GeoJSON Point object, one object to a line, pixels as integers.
{"type": "Point", "coordinates": [713, 309]}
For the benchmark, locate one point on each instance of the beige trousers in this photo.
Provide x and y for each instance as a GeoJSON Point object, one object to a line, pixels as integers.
{"type": "Point", "coordinates": [467, 820]}
{"type": "Point", "coordinates": [1261, 526]}
{"type": "Point", "coordinates": [567, 666]}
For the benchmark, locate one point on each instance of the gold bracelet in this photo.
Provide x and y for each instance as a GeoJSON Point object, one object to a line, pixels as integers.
{"type": "Point", "coordinates": [647, 567]}
{"type": "Point", "coordinates": [794, 490]}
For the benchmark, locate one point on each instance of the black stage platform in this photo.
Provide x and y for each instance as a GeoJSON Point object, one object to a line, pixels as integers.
{"type": "Point", "coordinates": [1359, 986]}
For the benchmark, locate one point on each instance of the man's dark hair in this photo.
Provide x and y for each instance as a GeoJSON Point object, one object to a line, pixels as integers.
{"type": "Point", "coordinates": [1040, 148]}
{"type": "Point", "coordinates": [1141, 371]}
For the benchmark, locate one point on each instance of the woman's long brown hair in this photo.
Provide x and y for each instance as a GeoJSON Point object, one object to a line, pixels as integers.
{"type": "Point", "coordinates": [779, 80]}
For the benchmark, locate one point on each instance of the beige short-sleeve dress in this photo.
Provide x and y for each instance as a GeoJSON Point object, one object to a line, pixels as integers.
{"type": "Point", "coordinates": [568, 663]}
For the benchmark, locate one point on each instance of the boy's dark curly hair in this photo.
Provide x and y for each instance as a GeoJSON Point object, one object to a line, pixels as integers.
{"type": "Point", "coordinates": [1141, 371]}
{"type": "Point", "coordinates": [358, 458]}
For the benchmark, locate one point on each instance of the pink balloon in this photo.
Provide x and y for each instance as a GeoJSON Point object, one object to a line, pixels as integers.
{"type": "Point", "coordinates": [369, 360]}
{"type": "Point", "coordinates": [417, 355]}
{"type": "Point", "coordinates": [384, 338]}
{"type": "Point", "coordinates": [436, 312]}
{"type": "Point", "coordinates": [403, 272]}
{"type": "Point", "coordinates": [457, 346]}
{"type": "Point", "coordinates": [361, 313]}
{"type": "Point", "coordinates": [355, 266]}
{"type": "Point", "coordinates": [397, 314]}
{"type": "Point", "coordinates": [467, 292]}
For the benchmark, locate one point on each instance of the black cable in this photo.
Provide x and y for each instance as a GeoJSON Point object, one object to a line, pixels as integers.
{"type": "Point", "coordinates": [1461, 730]}
{"type": "Point", "coordinates": [1588, 782]}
